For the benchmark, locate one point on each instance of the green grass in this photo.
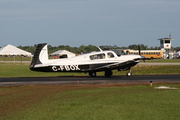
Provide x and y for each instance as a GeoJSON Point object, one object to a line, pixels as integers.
{"type": "Point", "coordinates": [22, 70]}
{"type": "Point", "coordinates": [155, 70]}
{"type": "Point", "coordinates": [163, 61]}
{"type": "Point", "coordinates": [87, 102]}
{"type": "Point", "coordinates": [139, 102]}
{"type": "Point", "coordinates": [17, 58]}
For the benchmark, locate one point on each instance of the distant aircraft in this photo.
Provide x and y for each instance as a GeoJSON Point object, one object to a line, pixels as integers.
{"type": "Point", "coordinates": [88, 63]}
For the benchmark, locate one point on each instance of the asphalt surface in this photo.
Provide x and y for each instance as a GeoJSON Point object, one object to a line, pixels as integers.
{"type": "Point", "coordinates": [89, 80]}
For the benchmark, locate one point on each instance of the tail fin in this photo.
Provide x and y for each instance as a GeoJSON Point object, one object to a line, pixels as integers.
{"type": "Point", "coordinates": [40, 55]}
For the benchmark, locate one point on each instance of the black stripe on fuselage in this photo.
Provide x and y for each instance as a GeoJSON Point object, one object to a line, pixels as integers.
{"type": "Point", "coordinates": [84, 68]}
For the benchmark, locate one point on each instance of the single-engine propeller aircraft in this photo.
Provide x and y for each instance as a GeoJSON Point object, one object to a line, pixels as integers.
{"type": "Point", "coordinates": [88, 63]}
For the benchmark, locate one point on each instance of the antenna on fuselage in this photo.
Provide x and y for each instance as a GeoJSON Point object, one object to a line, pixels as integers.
{"type": "Point", "coordinates": [99, 48]}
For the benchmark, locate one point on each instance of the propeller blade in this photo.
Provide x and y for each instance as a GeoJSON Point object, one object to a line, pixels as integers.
{"type": "Point", "coordinates": [139, 49]}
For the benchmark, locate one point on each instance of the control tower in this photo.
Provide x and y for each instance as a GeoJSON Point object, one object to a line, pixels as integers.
{"type": "Point", "coordinates": [165, 45]}
{"type": "Point", "coordinates": [166, 42]}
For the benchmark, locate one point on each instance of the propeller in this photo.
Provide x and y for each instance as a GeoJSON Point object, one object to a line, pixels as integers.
{"type": "Point", "coordinates": [139, 49]}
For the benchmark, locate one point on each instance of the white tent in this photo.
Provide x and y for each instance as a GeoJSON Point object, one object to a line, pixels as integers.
{"type": "Point", "coordinates": [63, 53]}
{"type": "Point", "coordinates": [12, 50]}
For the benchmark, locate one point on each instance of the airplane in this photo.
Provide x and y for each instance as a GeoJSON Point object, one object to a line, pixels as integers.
{"type": "Point", "coordinates": [88, 63]}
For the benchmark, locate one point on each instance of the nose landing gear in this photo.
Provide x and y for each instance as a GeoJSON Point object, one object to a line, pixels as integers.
{"type": "Point", "coordinates": [129, 74]}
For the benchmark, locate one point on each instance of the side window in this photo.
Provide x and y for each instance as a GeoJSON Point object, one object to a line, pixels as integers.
{"type": "Point", "coordinates": [110, 55]}
{"type": "Point", "coordinates": [127, 52]}
{"type": "Point", "coordinates": [97, 56]}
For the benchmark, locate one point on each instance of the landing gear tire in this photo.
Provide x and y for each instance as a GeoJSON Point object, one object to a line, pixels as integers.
{"type": "Point", "coordinates": [92, 74]}
{"type": "Point", "coordinates": [129, 74]}
{"type": "Point", "coordinates": [108, 73]}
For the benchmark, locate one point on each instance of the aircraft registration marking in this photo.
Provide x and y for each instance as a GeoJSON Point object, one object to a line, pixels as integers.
{"type": "Point", "coordinates": [66, 68]}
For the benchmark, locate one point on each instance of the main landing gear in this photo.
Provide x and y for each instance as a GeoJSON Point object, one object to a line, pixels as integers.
{"type": "Point", "coordinates": [108, 73]}
{"type": "Point", "coordinates": [92, 74]}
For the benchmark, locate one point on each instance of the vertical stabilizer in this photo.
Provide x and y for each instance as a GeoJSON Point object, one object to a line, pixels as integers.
{"type": "Point", "coordinates": [40, 55]}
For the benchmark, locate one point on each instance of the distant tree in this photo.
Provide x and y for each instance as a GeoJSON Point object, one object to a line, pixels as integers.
{"type": "Point", "coordinates": [89, 48]}
{"type": "Point", "coordinates": [135, 47]}
{"type": "Point", "coordinates": [27, 48]}
{"type": "Point", "coordinates": [81, 49]}
{"type": "Point", "coordinates": [177, 48]}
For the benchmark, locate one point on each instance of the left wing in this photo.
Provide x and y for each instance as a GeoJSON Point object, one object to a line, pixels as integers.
{"type": "Point", "coordinates": [117, 65]}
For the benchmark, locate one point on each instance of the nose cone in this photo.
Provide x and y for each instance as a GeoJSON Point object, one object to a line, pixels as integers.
{"type": "Point", "coordinates": [139, 58]}
{"type": "Point", "coordinates": [142, 58]}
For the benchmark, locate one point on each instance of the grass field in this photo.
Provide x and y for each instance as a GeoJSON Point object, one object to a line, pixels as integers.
{"type": "Point", "coordinates": [15, 58]}
{"type": "Point", "coordinates": [89, 102]}
{"type": "Point", "coordinates": [22, 70]}
{"type": "Point", "coordinates": [163, 61]}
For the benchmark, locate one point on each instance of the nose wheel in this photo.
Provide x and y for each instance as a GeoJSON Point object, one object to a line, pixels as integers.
{"type": "Point", "coordinates": [129, 74]}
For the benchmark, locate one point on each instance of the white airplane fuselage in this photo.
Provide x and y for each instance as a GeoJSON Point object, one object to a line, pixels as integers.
{"type": "Point", "coordinates": [90, 62]}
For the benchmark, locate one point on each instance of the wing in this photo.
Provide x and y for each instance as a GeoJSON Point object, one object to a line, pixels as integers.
{"type": "Point", "coordinates": [117, 65]}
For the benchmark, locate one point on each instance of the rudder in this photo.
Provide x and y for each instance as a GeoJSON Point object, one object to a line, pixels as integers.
{"type": "Point", "coordinates": [40, 55]}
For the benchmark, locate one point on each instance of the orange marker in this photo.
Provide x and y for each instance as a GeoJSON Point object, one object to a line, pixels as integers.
{"type": "Point", "coordinates": [150, 83]}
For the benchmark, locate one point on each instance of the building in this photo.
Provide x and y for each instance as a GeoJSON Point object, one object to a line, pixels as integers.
{"type": "Point", "coordinates": [165, 45]}
{"type": "Point", "coordinates": [62, 54]}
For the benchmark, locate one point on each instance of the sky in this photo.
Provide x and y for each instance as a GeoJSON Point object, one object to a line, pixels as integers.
{"type": "Point", "coordinates": [89, 22]}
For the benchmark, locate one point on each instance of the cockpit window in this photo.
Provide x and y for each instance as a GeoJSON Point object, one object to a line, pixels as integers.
{"type": "Point", "coordinates": [110, 55]}
{"type": "Point", "coordinates": [118, 54]}
{"type": "Point", "coordinates": [97, 56]}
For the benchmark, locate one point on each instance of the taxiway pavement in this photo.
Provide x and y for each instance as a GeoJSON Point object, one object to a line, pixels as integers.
{"type": "Point", "coordinates": [65, 80]}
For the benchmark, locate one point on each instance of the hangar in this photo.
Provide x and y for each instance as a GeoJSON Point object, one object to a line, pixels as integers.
{"type": "Point", "coordinates": [62, 54]}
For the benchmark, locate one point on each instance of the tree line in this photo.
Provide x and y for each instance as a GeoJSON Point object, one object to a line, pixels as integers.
{"type": "Point", "coordinates": [89, 48]}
